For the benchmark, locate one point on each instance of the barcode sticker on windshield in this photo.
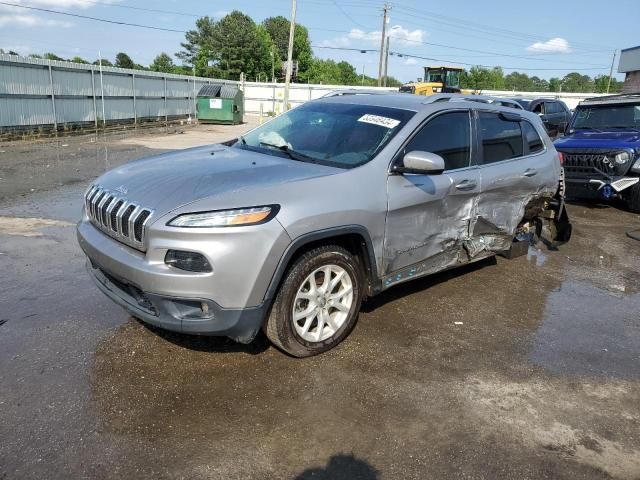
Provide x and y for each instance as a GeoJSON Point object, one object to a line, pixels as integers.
{"type": "Point", "coordinates": [380, 121]}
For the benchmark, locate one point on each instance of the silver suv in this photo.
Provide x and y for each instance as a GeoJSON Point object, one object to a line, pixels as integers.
{"type": "Point", "coordinates": [292, 226]}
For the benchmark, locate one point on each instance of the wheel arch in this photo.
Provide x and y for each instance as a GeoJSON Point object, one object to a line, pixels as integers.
{"type": "Point", "coordinates": [354, 238]}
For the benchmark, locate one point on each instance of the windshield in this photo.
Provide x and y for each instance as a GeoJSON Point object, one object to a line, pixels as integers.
{"type": "Point", "coordinates": [336, 134]}
{"type": "Point", "coordinates": [434, 76]}
{"type": "Point", "coordinates": [607, 116]}
{"type": "Point", "coordinates": [524, 103]}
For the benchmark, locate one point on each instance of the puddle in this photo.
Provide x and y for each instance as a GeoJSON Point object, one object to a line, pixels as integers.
{"type": "Point", "coordinates": [28, 227]}
{"type": "Point", "coordinates": [589, 331]}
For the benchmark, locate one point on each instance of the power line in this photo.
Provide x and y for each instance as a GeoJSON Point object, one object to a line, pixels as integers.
{"type": "Point", "coordinates": [411, 55]}
{"type": "Point", "coordinates": [466, 24]}
{"type": "Point", "coordinates": [143, 9]}
{"type": "Point", "coordinates": [96, 19]}
{"type": "Point", "coordinates": [348, 16]}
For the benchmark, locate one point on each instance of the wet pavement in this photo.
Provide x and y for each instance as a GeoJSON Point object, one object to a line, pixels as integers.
{"type": "Point", "coordinates": [525, 369]}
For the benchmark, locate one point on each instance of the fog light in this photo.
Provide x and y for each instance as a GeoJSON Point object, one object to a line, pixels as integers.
{"type": "Point", "coordinates": [189, 261]}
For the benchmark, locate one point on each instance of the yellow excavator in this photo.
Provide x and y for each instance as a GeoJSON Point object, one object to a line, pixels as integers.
{"type": "Point", "coordinates": [437, 79]}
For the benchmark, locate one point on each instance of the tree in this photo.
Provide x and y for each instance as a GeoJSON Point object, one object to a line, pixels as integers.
{"type": "Point", "coordinates": [601, 81]}
{"type": "Point", "coordinates": [481, 78]}
{"type": "Point", "coordinates": [124, 61]}
{"type": "Point", "coordinates": [519, 82]}
{"type": "Point", "coordinates": [228, 47]}
{"type": "Point", "coordinates": [574, 82]}
{"type": "Point", "coordinates": [78, 60]}
{"type": "Point", "coordinates": [539, 84]}
{"type": "Point", "coordinates": [104, 62]}
{"type": "Point", "coordinates": [163, 63]}
{"type": "Point", "coordinates": [278, 29]}
{"type": "Point", "coordinates": [196, 40]}
{"type": "Point", "coordinates": [555, 84]}
{"type": "Point", "coordinates": [52, 56]}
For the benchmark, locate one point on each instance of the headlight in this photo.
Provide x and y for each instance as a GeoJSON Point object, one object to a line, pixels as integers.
{"type": "Point", "coordinates": [622, 158]}
{"type": "Point", "coordinates": [225, 218]}
{"type": "Point", "coordinates": [636, 166]}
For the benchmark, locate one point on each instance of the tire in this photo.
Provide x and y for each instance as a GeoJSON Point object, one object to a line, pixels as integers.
{"type": "Point", "coordinates": [300, 336]}
{"type": "Point", "coordinates": [632, 198]}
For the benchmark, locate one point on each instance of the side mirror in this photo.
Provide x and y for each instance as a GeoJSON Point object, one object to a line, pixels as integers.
{"type": "Point", "coordinates": [422, 163]}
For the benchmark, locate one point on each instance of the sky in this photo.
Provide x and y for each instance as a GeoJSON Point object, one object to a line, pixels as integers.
{"type": "Point", "coordinates": [547, 38]}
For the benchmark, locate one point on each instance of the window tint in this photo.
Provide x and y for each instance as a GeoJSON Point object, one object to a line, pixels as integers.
{"type": "Point", "coordinates": [552, 107]}
{"type": "Point", "coordinates": [533, 139]}
{"type": "Point", "coordinates": [501, 139]}
{"type": "Point", "coordinates": [447, 135]}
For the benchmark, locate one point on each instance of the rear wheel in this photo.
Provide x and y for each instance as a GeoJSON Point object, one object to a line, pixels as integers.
{"type": "Point", "coordinates": [318, 302]}
{"type": "Point", "coordinates": [631, 198]}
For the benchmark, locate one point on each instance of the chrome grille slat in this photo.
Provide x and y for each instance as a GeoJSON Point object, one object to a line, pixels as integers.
{"type": "Point", "coordinates": [117, 217]}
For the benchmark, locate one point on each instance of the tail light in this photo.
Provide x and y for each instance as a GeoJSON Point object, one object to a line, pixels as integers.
{"type": "Point", "coordinates": [561, 158]}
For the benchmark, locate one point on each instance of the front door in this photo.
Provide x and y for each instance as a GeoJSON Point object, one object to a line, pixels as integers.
{"type": "Point", "coordinates": [429, 215]}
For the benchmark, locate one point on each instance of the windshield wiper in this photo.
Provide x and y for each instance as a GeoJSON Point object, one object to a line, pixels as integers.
{"type": "Point", "coordinates": [586, 128]}
{"type": "Point", "coordinates": [292, 154]}
{"type": "Point", "coordinates": [625, 127]}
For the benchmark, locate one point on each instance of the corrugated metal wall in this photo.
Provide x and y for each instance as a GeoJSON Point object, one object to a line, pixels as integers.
{"type": "Point", "coordinates": [37, 92]}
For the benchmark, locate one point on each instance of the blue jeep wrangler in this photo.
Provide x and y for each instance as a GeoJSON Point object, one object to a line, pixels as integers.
{"type": "Point", "coordinates": [601, 150]}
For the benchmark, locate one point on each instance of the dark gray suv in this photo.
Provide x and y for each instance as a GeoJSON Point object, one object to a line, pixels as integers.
{"type": "Point", "coordinates": [289, 228]}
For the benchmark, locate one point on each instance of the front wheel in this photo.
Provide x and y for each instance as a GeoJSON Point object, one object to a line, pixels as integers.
{"type": "Point", "coordinates": [318, 302]}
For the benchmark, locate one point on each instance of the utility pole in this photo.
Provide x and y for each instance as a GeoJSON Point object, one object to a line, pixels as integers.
{"type": "Point", "coordinates": [292, 31]}
{"type": "Point", "coordinates": [385, 9]}
{"type": "Point", "coordinates": [273, 66]}
{"type": "Point", "coordinates": [386, 62]}
{"type": "Point", "coordinates": [611, 71]}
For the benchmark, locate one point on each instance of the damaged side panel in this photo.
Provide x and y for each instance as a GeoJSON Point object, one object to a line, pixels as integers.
{"type": "Point", "coordinates": [433, 225]}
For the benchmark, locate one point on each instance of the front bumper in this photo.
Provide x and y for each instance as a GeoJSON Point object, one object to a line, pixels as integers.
{"type": "Point", "coordinates": [184, 315]}
{"type": "Point", "coordinates": [230, 301]}
{"type": "Point", "coordinates": [599, 187]}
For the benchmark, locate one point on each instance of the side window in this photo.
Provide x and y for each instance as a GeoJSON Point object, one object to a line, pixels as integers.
{"type": "Point", "coordinates": [532, 137]}
{"type": "Point", "coordinates": [551, 107]}
{"type": "Point", "coordinates": [448, 135]}
{"type": "Point", "coordinates": [539, 108]}
{"type": "Point", "coordinates": [501, 139]}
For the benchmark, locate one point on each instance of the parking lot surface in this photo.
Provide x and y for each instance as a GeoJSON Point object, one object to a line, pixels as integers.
{"type": "Point", "coordinates": [525, 369]}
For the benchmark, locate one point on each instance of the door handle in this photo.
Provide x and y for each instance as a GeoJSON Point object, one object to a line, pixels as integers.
{"type": "Point", "coordinates": [530, 172]}
{"type": "Point", "coordinates": [466, 185]}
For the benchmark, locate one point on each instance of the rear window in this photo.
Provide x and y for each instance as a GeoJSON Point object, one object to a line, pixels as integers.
{"type": "Point", "coordinates": [534, 142]}
{"type": "Point", "coordinates": [501, 139]}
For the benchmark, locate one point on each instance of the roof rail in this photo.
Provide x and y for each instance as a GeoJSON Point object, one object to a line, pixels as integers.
{"type": "Point", "coordinates": [457, 97]}
{"type": "Point", "coordinates": [620, 96]}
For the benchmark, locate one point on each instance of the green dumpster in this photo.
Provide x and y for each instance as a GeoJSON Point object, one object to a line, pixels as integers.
{"type": "Point", "coordinates": [218, 103]}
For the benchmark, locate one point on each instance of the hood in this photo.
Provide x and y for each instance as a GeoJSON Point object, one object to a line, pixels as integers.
{"type": "Point", "coordinates": [618, 139]}
{"type": "Point", "coordinates": [168, 181]}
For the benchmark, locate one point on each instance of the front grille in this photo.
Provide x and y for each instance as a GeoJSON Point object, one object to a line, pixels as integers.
{"type": "Point", "coordinates": [593, 163]}
{"type": "Point", "coordinates": [116, 216]}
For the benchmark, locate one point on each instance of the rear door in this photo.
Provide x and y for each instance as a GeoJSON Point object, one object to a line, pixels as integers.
{"type": "Point", "coordinates": [554, 117]}
{"type": "Point", "coordinates": [510, 178]}
{"type": "Point", "coordinates": [428, 215]}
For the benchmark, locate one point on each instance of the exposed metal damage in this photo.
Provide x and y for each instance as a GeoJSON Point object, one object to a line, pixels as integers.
{"type": "Point", "coordinates": [540, 213]}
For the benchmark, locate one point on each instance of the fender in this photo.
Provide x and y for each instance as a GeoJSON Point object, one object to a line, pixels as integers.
{"type": "Point", "coordinates": [307, 238]}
